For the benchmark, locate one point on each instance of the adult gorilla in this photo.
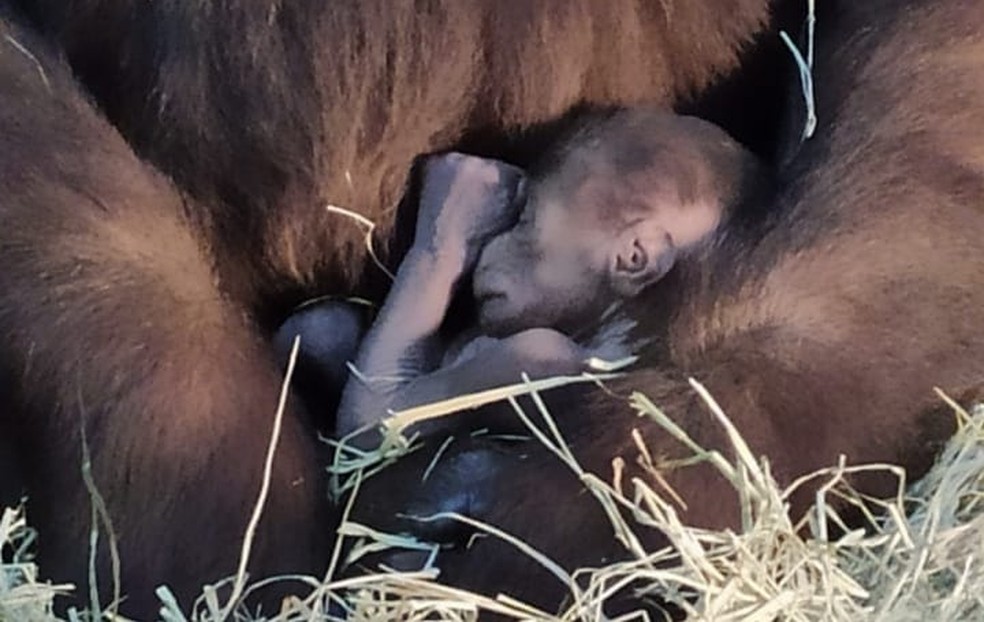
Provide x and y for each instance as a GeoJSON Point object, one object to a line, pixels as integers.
{"type": "Point", "coordinates": [136, 290]}
{"type": "Point", "coordinates": [821, 328]}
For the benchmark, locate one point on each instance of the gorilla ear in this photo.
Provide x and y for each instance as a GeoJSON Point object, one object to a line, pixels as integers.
{"type": "Point", "coordinates": [640, 258]}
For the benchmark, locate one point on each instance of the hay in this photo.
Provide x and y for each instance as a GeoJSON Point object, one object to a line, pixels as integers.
{"type": "Point", "coordinates": [909, 565]}
{"type": "Point", "coordinates": [22, 596]}
{"type": "Point", "coordinates": [804, 67]}
{"type": "Point", "coordinates": [17, 45]}
{"type": "Point", "coordinates": [370, 228]}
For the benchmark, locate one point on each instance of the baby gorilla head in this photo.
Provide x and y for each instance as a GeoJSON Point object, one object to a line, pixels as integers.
{"type": "Point", "coordinates": [608, 213]}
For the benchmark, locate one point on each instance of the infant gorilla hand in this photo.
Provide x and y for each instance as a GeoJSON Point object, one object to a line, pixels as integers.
{"type": "Point", "coordinates": [464, 202]}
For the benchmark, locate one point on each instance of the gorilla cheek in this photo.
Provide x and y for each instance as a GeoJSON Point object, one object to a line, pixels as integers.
{"type": "Point", "coordinates": [494, 253]}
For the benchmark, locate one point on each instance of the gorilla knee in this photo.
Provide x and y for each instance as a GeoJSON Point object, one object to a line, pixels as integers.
{"type": "Point", "coordinates": [460, 485]}
{"type": "Point", "coordinates": [329, 331]}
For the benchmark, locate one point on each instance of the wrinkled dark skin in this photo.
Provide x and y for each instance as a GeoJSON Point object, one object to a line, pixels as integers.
{"type": "Point", "coordinates": [612, 208]}
{"type": "Point", "coordinates": [465, 201]}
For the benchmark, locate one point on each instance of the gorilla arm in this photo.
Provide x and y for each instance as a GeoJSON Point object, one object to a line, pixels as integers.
{"type": "Point", "coordinates": [403, 343]}
{"type": "Point", "coordinates": [465, 200]}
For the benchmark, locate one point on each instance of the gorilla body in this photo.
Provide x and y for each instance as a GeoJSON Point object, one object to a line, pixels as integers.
{"type": "Point", "coordinates": [821, 326]}
{"type": "Point", "coordinates": [612, 208]}
{"type": "Point", "coordinates": [230, 126]}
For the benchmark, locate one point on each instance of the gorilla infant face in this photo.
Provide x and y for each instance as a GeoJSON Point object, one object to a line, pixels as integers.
{"type": "Point", "coordinates": [607, 215]}
{"type": "Point", "coordinates": [535, 274]}
{"type": "Point", "coordinates": [572, 254]}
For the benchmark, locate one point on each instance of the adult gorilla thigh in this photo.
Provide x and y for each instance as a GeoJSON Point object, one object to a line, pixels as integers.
{"type": "Point", "coordinates": [97, 257]}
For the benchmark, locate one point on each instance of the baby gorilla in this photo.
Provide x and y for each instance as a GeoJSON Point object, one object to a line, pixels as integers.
{"type": "Point", "coordinates": [600, 218]}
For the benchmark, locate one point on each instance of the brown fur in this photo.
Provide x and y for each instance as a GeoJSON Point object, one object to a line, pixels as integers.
{"type": "Point", "coordinates": [821, 329]}
{"type": "Point", "coordinates": [177, 443]}
{"type": "Point", "coordinates": [272, 109]}
{"type": "Point", "coordinates": [130, 299]}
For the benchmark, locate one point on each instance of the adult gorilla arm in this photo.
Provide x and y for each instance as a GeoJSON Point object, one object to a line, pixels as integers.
{"type": "Point", "coordinates": [111, 326]}
{"type": "Point", "coordinates": [525, 490]}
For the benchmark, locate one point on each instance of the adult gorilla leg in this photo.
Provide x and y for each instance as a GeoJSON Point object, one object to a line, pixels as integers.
{"type": "Point", "coordinates": [112, 325]}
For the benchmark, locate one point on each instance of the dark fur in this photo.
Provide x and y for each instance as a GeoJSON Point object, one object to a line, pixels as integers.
{"type": "Point", "coordinates": [821, 329]}
{"type": "Point", "coordinates": [133, 303]}
{"type": "Point", "coordinates": [267, 110]}
{"type": "Point", "coordinates": [175, 396]}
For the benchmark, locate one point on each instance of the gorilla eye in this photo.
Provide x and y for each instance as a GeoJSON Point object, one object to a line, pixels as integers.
{"type": "Point", "coordinates": [635, 261]}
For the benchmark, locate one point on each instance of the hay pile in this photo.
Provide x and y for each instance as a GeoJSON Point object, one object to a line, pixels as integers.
{"type": "Point", "coordinates": [923, 557]}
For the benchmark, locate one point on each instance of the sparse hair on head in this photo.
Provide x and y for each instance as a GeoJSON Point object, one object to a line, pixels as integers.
{"type": "Point", "coordinates": [647, 146]}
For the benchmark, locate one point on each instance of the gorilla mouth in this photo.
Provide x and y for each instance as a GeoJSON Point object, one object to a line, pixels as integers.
{"type": "Point", "coordinates": [487, 296]}
{"type": "Point", "coordinates": [484, 290]}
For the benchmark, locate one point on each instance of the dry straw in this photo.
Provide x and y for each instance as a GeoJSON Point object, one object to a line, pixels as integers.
{"type": "Point", "coordinates": [919, 559]}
